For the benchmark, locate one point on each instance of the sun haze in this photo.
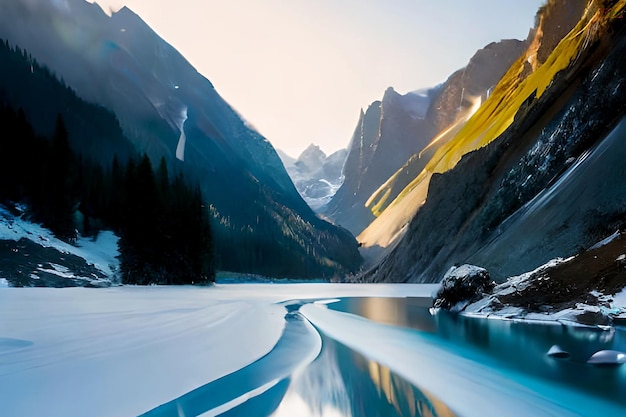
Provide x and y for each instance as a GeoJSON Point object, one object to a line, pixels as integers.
{"type": "Point", "coordinates": [301, 70]}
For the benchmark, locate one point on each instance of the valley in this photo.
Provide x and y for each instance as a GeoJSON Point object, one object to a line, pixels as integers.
{"type": "Point", "coordinates": [461, 254]}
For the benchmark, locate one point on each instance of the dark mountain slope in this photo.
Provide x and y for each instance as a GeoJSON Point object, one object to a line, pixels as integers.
{"type": "Point", "coordinates": [167, 109]}
{"type": "Point", "coordinates": [94, 132]}
{"type": "Point", "coordinates": [345, 207]}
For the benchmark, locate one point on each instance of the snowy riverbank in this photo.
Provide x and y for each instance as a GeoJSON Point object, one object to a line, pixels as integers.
{"type": "Point", "coordinates": [122, 351]}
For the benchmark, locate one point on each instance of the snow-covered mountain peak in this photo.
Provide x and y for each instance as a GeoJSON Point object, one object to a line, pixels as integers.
{"type": "Point", "coordinates": [317, 177]}
{"type": "Point", "coordinates": [311, 159]}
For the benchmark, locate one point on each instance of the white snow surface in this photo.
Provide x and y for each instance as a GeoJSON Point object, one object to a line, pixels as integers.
{"type": "Point", "coordinates": [463, 271]}
{"type": "Point", "coordinates": [182, 141]}
{"type": "Point", "coordinates": [619, 299]}
{"type": "Point", "coordinates": [122, 351]}
{"type": "Point", "coordinates": [101, 252]}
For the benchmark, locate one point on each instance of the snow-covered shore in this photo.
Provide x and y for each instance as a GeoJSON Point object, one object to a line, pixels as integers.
{"type": "Point", "coordinates": [587, 289]}
{"type": "Point", "coordinates": [122, 351]}
{"type": "Point", "coordinates": [38, 258]}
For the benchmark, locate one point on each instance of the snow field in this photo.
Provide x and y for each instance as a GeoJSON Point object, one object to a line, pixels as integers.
{"type": "Point", "coordinates": [122, 351]}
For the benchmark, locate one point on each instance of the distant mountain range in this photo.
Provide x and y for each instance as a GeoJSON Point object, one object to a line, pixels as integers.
{"type": "Point", "coordinates": [167, 109]}
{"type": "Point", "coordinates": [317, 177]}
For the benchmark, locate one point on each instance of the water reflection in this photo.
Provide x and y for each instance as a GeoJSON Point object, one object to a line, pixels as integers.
{"type": "Point", "coordinates": [342, 383]}
{"type": "Point", "coordinates": [515, 345]}
{"type": "Point", "coordinates": [407, 312]}
{"type": "Point", "coordinates": [318, 390]}
{"type": "Point", "coordinates": [404, 397]}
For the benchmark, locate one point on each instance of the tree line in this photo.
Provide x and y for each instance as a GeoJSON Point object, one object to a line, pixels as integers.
{"type": "Point", "coordinates": [163, 225]}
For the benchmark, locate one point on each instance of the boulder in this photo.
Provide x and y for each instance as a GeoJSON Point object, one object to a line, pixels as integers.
{"type": "Point", "coordinates": [557, 351]}
{"type": "Point", "coordinates": [462, 286]}
{"type": "Point", "coordinates": [607, 358]}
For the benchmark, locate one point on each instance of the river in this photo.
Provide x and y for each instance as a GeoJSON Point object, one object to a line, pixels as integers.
{"type": "Point", "coordinates": [290, 350]}
{"type": "Point", "coordinates": [377, 356]}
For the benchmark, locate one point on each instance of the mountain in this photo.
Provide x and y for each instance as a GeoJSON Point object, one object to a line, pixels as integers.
{"type": "Point", "coordinates": [537, 172]}
{"type": "Point", "coordinates": [395, 137]}
{"type": "Point", "coordinates": [397, 200]}
{"type": "Point", "coordinates": [315, 175]}
{"type": "Point", "coordinates": [387, 133]}
{"type": "Point", "coordinates": [167, 109]}
{"type": "Point", "coordinates": [93, 131]}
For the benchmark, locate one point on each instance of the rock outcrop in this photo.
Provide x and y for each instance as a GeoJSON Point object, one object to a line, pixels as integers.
{"type": "Point", "coordinates": [462, 286]}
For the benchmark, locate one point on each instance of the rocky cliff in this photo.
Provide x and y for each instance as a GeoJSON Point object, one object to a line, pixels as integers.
{"type": "Point", "coordinates": [387, 149]}
{"type": "Point", "coordinates": [536, 173]}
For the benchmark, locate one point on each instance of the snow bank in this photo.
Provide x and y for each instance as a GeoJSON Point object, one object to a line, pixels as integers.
{"type": "Point", "coordinates": [619, 299]}
{"type": "Point", "coordinates": [123, 351]}
{"type": "Point", "coordinates": [284, 292]}
{"type": "Point", "coordinates": [101, 252]}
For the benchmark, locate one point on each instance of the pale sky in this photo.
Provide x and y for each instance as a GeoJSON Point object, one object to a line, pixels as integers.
{"type": "Point", "coordinates": [300, 71]}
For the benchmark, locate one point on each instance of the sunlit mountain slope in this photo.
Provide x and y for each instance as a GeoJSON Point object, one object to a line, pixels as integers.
{"type": "Point", "coordinates": [552, 108]}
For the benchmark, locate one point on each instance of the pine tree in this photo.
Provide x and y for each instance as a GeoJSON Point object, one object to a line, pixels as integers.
{"type": "Point", "coordinates": [61, 195]}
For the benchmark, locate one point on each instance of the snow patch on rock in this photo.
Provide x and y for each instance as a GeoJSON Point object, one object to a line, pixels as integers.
{"type": "Point", "coordinates": [101, 251]}
{"type": "Point", "coordinates": [582, 314]}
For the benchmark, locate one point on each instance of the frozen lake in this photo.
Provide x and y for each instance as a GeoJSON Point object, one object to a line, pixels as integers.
{"type": "Point", "coordinates": [324, 350]}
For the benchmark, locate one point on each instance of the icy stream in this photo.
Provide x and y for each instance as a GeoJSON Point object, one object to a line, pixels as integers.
{"type": "Point", "coordinates": [306, 350]}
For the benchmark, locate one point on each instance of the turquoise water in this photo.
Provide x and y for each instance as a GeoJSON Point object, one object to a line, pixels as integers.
{"type": "Point", "coordinates": [518, 348]}
{"type": "Point", "coordinates": [310, 373]}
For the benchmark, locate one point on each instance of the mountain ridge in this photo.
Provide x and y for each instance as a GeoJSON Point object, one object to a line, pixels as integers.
{"type": "Point", "coordinates": [386, 154]}
{"type": "Point", "coordinates": [481, 210]}
{"type": "Point", "coordinates": [167, 109]}
{"type": "Point", "coordinates": [317, 176]}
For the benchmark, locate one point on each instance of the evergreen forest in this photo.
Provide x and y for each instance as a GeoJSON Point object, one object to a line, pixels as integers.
{"type": "Point", "coordinates": [47, 147]}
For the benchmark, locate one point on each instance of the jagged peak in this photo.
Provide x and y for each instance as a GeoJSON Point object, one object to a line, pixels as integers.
{"type": "Point", "coordinates": [109, 10]}
{"type": "Point", "coordinates": [373, 107]}
{"type": "Point", "coordinates": [552, 22]}
{"type": "Point", "coordinates": [390, 95]}
{"type": "Point", "coordinates": [125, 11]}
{"type": "Point", "coordinates": [312, 150]}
